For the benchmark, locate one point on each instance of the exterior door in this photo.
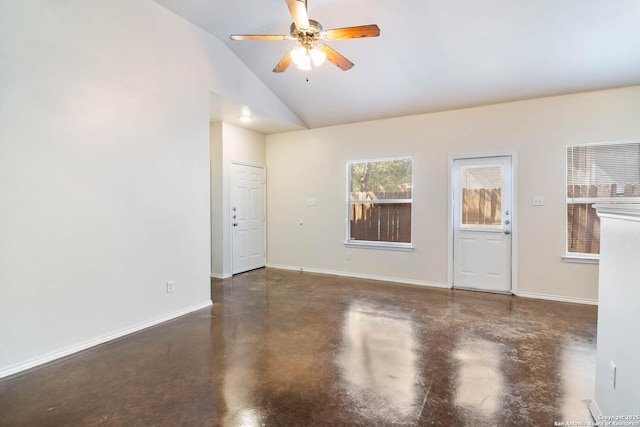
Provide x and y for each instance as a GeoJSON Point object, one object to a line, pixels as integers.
{"type": "Point", "coordinates": [247, 217]}
{"type": "Point", "coordinates": [482, 216]}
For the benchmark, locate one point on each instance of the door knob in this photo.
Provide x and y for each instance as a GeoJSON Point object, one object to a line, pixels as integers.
{"type": "Point", "coordinates": [506, 222]}
{"type": "Point", "coordinates": [235, 224]}
{"type": "Point", "coordinates": [507, 232]}
{"type": "Point", "coordinates": [234, 217]}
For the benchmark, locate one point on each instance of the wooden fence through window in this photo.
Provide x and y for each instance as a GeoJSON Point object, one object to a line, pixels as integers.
{"type": "Point", "coordinates": [482, 206]}
{"type": "Point", "coordinates": [391, 222]}
{"type": "Point", "coordinates": [381, 222]}
{"type": "Point", "coordinates": [583, 231]}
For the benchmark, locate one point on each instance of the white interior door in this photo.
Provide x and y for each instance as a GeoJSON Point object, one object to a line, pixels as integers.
{"type": "Point", "coordinates": [247, 217]}
{"type": "Point", "coordinates": [482, 216]}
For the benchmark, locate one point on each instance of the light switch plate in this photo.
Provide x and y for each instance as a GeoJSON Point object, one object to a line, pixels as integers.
{"type": "Point", "coordinates": [538, 201]}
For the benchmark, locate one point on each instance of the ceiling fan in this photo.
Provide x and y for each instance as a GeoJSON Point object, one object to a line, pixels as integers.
{"type": "Point", "coordinates": [307, 32]}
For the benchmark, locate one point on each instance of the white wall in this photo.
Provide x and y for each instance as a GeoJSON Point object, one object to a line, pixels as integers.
{"type": "Point", "coordinates": [229, 144]}
{"type": "Point", "coordinates": [104, 169]}
{"type": "Point", "coordinates": [311, 164]}
{"type": "Point", "coordinates": [219, 254]}
{"type": "Point", "coordinates": [618, 314]}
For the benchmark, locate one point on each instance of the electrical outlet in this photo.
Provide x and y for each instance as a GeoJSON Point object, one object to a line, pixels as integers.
{"type": "Point", "coordinates": [170, 286]}
{"type": "Point", "coordinates": [348, 256]}
{"type": "Point", "coordinates": [612, 373]}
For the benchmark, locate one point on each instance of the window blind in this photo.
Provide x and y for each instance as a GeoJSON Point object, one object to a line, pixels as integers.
{"type": "Point", "coordinates": [604, 170]}
{"type": "Point", "coordinates": [598, 173]}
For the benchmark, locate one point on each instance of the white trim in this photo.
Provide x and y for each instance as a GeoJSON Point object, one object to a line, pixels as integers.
{"type": "Point", "coordinates": [381, 201]}
{"type": "Point", "coordinates": [603, 200]}
{"type": "Point", "coordinates": [514, 212]}
{"type": "Point", "coordinates": [624, 211]}
{"type": "Point", "coordinates": [393, 246]}
{"type": "Point", "coordinates": [380, 159]}
{"type": "Point", "coordinates": [450, 224]}
{"type": "Point", "coordinates": [581, 259]}
{"type": "Point", "coordinates": [595, 200]}
{"type": "Point", "coordinates": [362, 276]}
{"type": "Point", "coordinates": [221, 276]}
{"type": "Point", "coordinates": [559, 298]}
{"type": "Point", "coordinates": [254, 165]}
{"type": "Point", "coordinates": [14, 369]}
{"type": "Point", "coordinates": [348, 241]}
{"type": "Point", "coordinates": [625, 141]}
{"type": "Point", "coordinates": [489, 291]}
{"type": "Point", "coordinates": [595, 412]}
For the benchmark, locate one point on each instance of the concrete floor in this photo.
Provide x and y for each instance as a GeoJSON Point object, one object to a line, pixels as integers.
{"type": "Point", "coordinates": [285, 348]}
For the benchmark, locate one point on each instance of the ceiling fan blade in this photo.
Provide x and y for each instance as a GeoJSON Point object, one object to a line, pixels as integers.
{"type": "Point", "coordinates": [352, 32]}
{"type": "Point", "coordinates": [298, 10]}
{"type": "Point", "coordinates": [333, 56]}
{"type": "Point", "coordinates": [258, 37]}
{"type": "Point", "coordinates": [284, 63]}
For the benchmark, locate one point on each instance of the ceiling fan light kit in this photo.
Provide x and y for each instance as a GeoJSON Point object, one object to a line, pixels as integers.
{"type": "Point", "coordinates": [307, 32]}
{"type": "Point", "coordinates": [303, 56]}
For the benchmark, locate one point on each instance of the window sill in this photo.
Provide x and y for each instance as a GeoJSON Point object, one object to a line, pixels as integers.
{"type": "Point", "coordinates": [581, 259]}
{"type": "Point", "coordinates": [406, 247]}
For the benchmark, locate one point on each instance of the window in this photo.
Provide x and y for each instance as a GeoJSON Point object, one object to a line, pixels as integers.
{"type": "Point", "coordinates": [598, 173]}
{"type": "Point", "coordinates": [380, 199]}
{"type": "Point", "coordinates": [481, 188]}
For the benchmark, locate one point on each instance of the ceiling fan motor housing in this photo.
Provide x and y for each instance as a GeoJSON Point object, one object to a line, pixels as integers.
{"type": "Point", "coordinates": [313, 31]}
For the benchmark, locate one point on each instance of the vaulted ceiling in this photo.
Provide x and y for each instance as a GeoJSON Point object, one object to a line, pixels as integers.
{"type": "Point", "coordinates": [433, 55]}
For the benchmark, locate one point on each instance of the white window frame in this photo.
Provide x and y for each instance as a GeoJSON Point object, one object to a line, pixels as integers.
{"type": "Point", "coordinates": [580, 257]}
{"type": "Point", "coordinates": [401, 246]}
{"type": "Point", "coordinates": [481, 162]}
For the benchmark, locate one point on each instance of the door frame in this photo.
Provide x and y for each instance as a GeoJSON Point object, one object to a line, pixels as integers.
{"type": "Point", "coordinates": [514, 211]}
{"type": "Point", "coordinates": [230, 207]}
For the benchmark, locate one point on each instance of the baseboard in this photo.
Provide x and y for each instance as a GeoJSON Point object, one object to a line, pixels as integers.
{"type": "Point", "coordinates": [558, 298]}
{"type": "Point", "coordinates": [221, 276]}
{"type": "Point", "coordinates": [575, 300]}
{"type": "Point", "coordinates": [595, 412]}
{"type": "Point", "coordinates": [50, 357]}
{"type": "Point", "coordinates": [362, 276]}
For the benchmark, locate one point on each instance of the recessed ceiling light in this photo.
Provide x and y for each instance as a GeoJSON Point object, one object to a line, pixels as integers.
{"type": "Point", "coordinates": [245, 114]}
